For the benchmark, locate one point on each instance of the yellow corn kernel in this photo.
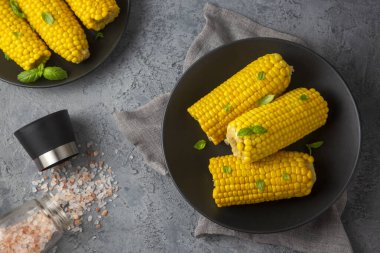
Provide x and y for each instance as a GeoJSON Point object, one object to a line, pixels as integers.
{"type": "Point", "coordinates": [277, 125]}
{"type": "Point", "coordinates": [18, 41]}
{"type": "Point", "coordinates": [95, 14]}
{"type": "Point", "coordinates": [250, 185]}
{"type": "Point", "coordinates": [240, 93]}
{"type": "Point", "coordinates": [61, 31]}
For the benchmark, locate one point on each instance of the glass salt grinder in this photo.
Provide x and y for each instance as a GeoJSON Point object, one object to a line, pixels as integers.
{"type": "Point", "coordinates": [35, 226]}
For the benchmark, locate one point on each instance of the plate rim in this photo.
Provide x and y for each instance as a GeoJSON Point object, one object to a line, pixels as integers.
{"type": "Point", "coordinates": [117, 41]}
{"type": "Point", "coordinates": [345, 86]}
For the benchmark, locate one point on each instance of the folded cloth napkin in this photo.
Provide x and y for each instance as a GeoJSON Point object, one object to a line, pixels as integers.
{"type": "Point", "coordinates": [142, 127]}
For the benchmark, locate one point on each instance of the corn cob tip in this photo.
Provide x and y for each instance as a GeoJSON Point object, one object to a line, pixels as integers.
{"type": "Point", "coordinates": [84, 55]}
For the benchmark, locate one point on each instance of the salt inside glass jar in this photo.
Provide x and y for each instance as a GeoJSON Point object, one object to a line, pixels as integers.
{"type": "Point", "coordinates": [33, 227]}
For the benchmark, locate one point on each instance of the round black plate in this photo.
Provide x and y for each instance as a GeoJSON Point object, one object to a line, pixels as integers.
{"type": "Point", "coordinates": [100, 49]}
{"type": "Point", "coordinates": [335, 161]}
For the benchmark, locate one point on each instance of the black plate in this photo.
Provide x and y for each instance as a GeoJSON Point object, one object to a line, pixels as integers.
{"type": "Point", "coordinates": [99, 49]}
{"type": "Point", "coordinates": [335, 161]}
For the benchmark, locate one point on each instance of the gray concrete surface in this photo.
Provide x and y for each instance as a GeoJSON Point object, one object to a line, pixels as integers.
{"type": "Point", "coordinates": [151, 216]}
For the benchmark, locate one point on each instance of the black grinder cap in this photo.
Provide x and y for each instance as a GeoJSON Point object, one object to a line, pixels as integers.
{"type": "Point", "coordinates": [49, 140]}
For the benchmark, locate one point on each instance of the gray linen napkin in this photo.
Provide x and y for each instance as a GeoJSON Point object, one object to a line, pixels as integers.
{"type": "Point", "coordinates": [142, 127]}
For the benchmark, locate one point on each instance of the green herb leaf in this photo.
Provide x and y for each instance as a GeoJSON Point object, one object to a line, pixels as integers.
{"type": "Point", "coordinates": [47, 17]}
{"type": "Point", "coordinates": [99, 35]}
{"type": "Point", "coordinates": [245, 131]}
{"type": "Point", "coordinates": [314, 145]}
{"type": "Point", "coordinates": [16, 9]}
{"type": "Point", "coordinates": [55, 73]}
{"type": "Point", "coordinates": [304, 97]}
{"type": "Point", "coordinates": [261, 75]}
{"type": "Point", "coordinates": [285, 176]}
{"type": "Point", "coordinates": [227, 169]}
{"type": "Point", "coordinates": [227, 108]}
{"type": "Point", "coordinates": [260, 184]}
{"type": "Point", "coordinates": [201, 144]}
{"type": "Point", "coordinates": [6, 57]}
{"type": "Point", "coordinates": [317, 144]}
{"type": "Point", "coordinates": [257, 129]}
{"type": "Point", "coordinates": [29, 76]}
{"type": "Point", "coordinates": [41, 68]}
{"type": "Point", "coordinates": [17, 34]}
{"type": "Point", "coordinates": [265, 100]}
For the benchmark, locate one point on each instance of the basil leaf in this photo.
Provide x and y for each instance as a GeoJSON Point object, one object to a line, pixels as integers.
{"type": "Point", "coordinates": [54, 73]}
{"type": "Point", "coordinates": [227, 169]}
{"type": "Point", "coordinates": [99, 35]}
{"type": "Point", "coordinates": [201, 144]}
{"type": "Point", "coordinates": [259, 129]}
{"type": "Point", "coordinates": [47, 17]}
{"type": "Point", "coordinates": [29, 76]}
{"type": "Point", "coordinates": [245, 131]}
{"type": "Point", "coordinates": [16, 9]}
{"type": "Point", "coordinates": [17, 34]}
{"type": "Point", "coordinates": [285, 176]}
{"type": "Point", "coordinates": [41, 69]}
{"type": "Point", "coordinates": [227, 108]}
{"type": "Point", "coordinates": [260, 184]}
{"type": "Point", "coordinates": [304, 97]}
{"type": "Point", "coordinates": [261, 75]}
{"type": "Point", "coordinates": [317, 144]}
{"type": "Point", "coordinates": [6, 57]}
{"type": "Point", "coordinates": [265, 100]}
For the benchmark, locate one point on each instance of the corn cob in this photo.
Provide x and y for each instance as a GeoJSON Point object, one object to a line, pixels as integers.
{"type": "Point", "coordinates": [18, 41]}
{"type": "Point", "coordinates": [269, 74]}
{"type": "Point", "coordinates": [58, 27]}
{"type": "Point", "coordinates": [280, 176]}
{"type": "Point", "coordinates": [265, 130]}
{"type": "Point", "coordinates": [95, 14]}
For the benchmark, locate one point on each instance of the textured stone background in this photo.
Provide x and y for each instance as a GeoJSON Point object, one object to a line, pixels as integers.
{"type": "Point", "coordinates": [150, 215]}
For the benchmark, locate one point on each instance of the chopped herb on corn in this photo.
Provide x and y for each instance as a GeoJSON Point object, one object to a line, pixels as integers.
{"type": "Point", "coordinates": [280, 176]}
{"type": "Point", "coordinates": [265, 100]}
{"type": "Point", "coordinates": [16, 9]}
{"type": "Point", "coordinates": [95, 14]}
{"type": "Point", "coordinates": [18, 41]}
{"type": "Point", "coordinates": [56, 24]}
{"type": "Point", "coordinates": [265, 130]}
{"type": "Point", "coordinates": [268, 75]}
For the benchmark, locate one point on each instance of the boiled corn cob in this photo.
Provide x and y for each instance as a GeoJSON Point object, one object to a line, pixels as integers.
{"type": "Point", "coordinates": [268, 75]}
{"type": "Point", "coordinates": [56, 24]}
{"type": "Point", "coordinates": [280, 176]}
{"type": "Point", "coordinates": [18, 41]}
{"type": "Point", "coordinates": [95, 14]}
{"type": "Point", "coordinates": [265, 130]}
